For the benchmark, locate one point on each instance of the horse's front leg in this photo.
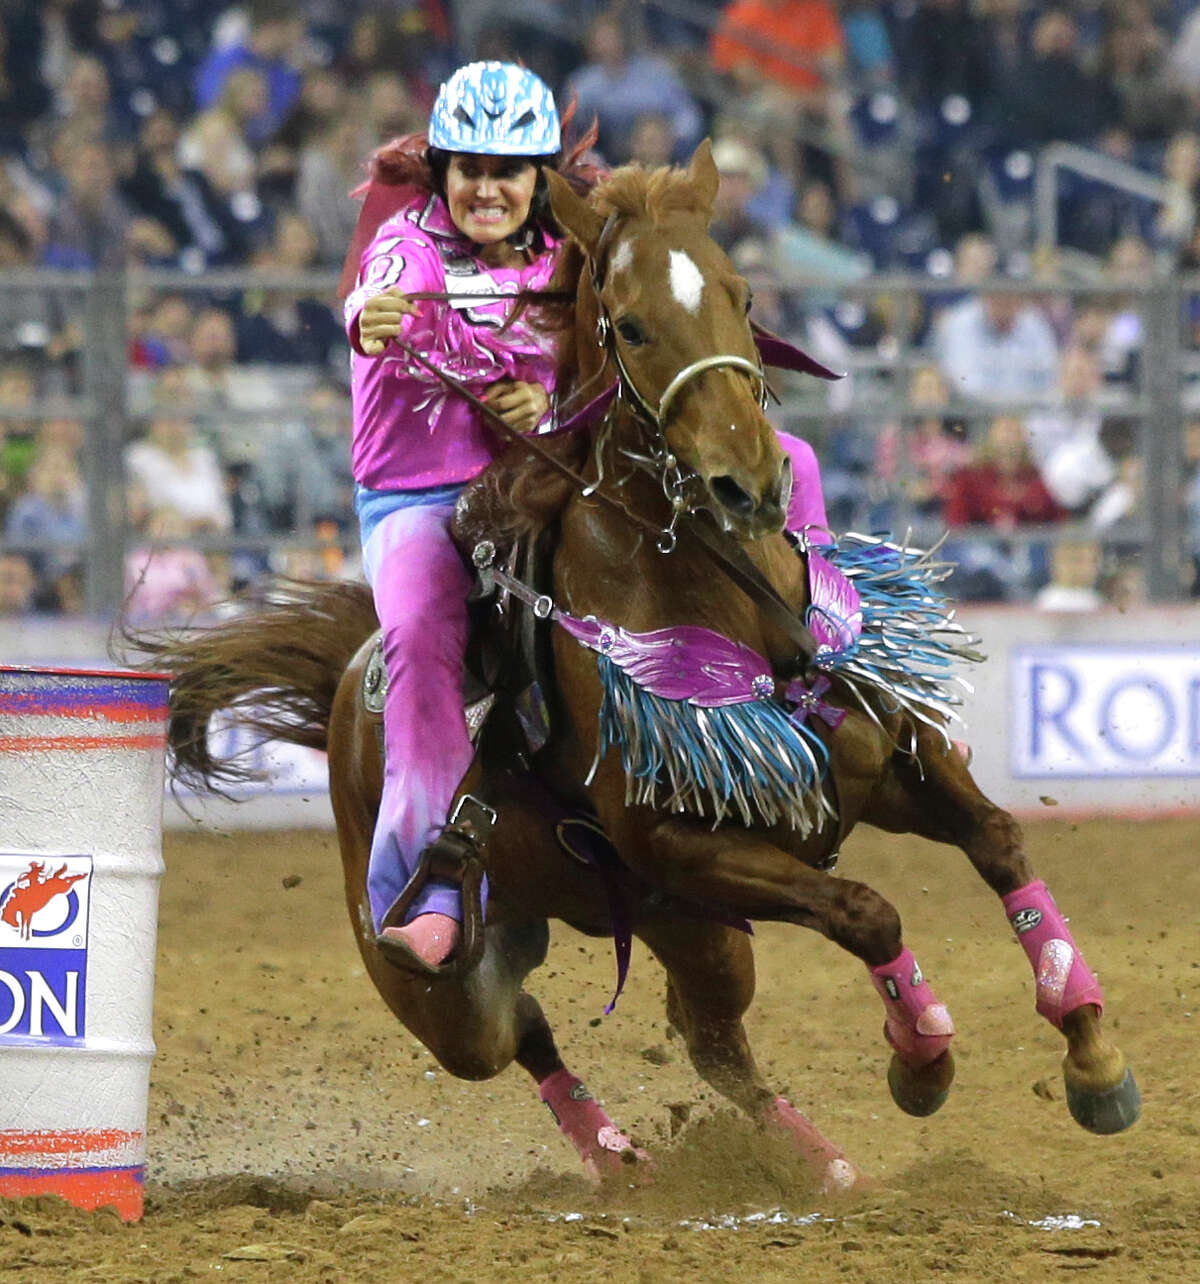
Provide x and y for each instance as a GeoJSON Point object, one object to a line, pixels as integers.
{"type": "Point", "coordinates": [710, 984]}
{"type": "Point", "coordinates": [937, 798]}
{"type": "Point", "coordinates": [747, 874]}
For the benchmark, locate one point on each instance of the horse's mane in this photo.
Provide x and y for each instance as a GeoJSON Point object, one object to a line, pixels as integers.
{"type": "Point", "coordinates": [520, 494]}
{"type": "Point", "coordinates": [633, 191]}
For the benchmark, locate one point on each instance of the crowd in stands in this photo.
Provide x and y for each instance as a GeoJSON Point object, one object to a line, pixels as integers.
{"type": "Point", "coordinates": [853, 137]}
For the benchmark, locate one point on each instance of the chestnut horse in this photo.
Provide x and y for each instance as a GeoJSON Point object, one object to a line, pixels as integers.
{"type": "Point", "coordinates": [659, 308]}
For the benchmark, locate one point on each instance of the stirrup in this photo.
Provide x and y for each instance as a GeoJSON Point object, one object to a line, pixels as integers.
{"type": "Point", "coordinates": [454, 856]}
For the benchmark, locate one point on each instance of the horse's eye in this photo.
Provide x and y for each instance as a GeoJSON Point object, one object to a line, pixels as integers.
{"type": "Point", "coordinates": [631, 331]}
{"type": "Point", "coordinates": [749, 302]}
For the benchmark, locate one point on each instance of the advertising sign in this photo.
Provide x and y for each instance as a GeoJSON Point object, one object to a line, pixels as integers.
{"type": "Point", "coordinates": [44, 904]}
{"type": "Point", "coordinates": [1105, 711]}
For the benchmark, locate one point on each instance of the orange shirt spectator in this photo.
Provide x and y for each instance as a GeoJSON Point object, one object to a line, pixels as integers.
{"type": "Point", "coordinates": [792, 43]}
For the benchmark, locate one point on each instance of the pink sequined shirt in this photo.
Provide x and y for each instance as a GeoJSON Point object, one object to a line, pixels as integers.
{"type": "Point", "coordinates": [410, 431]}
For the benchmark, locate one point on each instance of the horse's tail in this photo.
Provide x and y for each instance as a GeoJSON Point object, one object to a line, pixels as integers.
{"type": "Point", "coordinates": [274, 668]}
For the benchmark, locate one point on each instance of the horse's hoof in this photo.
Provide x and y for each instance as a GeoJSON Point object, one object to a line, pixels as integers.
{"type": "Point", "coordinates": [1107, 1111]}
{"type": "Point", "coordinates": [921, 1090]}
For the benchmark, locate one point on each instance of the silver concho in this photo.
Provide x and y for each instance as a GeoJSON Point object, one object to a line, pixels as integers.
{"type": "Point", "coordinates": [375, 680]}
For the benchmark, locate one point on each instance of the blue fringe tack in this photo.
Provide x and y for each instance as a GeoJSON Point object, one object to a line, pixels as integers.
{"type": "Point", "coordinates": [752, 761]}
{"type": "Point", "coordinates": [745, 760]}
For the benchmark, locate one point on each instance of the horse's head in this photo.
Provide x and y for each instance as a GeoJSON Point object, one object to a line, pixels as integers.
{"type": "Point", "coordinates": [670, 312]}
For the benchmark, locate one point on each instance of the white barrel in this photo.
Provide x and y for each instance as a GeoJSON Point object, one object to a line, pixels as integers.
{"type": "Point", "coordinates": [81, 784]}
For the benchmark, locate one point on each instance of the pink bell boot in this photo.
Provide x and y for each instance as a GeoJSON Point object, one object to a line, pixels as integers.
{"type": "Point", "coordinates": [605, 1150]}
{"type": "Point", "coordinates": [918, 1025]}
{"type": "Point", "coordinates": [829, 1165]}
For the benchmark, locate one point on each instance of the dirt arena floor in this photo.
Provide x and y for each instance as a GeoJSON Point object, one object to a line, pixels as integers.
{"type": "Point", "coordinates": [297, 1133]}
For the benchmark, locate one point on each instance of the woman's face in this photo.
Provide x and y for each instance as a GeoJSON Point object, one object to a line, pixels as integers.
{"type": "Point", "coordinates": [489, 196]}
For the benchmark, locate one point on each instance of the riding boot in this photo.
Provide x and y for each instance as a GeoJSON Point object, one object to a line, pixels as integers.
{"type": "Point", "coordinates": [453, 858]}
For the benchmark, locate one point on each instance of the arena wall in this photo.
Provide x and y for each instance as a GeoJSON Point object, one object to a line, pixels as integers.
{"type": "Point", "coordinates": [1095, 714]}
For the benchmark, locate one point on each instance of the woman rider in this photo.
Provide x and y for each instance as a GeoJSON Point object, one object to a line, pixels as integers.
{"type": "Point", "coordinates": [462, 210]}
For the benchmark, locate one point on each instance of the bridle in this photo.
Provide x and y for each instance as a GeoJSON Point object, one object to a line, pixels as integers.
{"type": "Point", "coordinates": [659, 460]}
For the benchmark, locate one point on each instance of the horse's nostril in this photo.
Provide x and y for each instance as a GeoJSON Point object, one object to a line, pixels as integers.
{"type": "Point", "coordinates": [731, 496]}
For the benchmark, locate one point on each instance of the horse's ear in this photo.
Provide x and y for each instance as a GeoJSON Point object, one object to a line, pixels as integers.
{"type": "Point", "coordinates": [702, 174]}
{"type": "Point", "coordinates": [572, 213]}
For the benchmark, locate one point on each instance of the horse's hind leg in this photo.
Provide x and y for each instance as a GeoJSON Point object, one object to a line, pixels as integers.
{"type": "Point", "coordinates": [936, 798]}
{"type": "Point", "coordinates": [710, 983]}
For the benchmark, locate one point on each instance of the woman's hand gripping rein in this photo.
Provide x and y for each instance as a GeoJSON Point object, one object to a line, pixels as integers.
{"type": "Point", "coordinates": [521, 405]}
{"type": "Point", "coordinates": [381, 318]}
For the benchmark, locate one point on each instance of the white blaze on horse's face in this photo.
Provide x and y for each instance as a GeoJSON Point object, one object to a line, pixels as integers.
{"type": "Point", "coordinates": [622, 256]}
{"type": "Point", "coordinates": [687, 281]}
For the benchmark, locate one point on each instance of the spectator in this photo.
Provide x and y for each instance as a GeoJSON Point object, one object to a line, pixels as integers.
{"type": "Point", "coordinates": [273, 50]}
{"type": "Point", "coordinates": [1002, 488]}
{"type": "Point", "coordinates": [390, 110]}
{"type": "Point", "coordinates": [323, 100]}
{"type": "Point", "coordinates": [1074, 571]}
{"type": "Point", "coordinates": [183, 201]}
{"type": "Point", "coordinates": [868, 43]}
{"type": "Point", "coordinates": [1129, 261]}
{"type": "Point", "coordinates": [1134, 63]}
{"type": "Point", "coordinates": [17, 584]}
{"type": "Point", "coordinates": [743, 171]}
{"type": "Point", "coordinates": [809, 247]}
{"type": "Point", "coordinates": [173, 467]}
{"type": "Point", "coordinates": [165, 581]}
{"type": "Point", "coordinates": [280, 326]}
{"type": "Point", "coordinates": [1183, 58]}
{"type": "Point", "coordinates": [217, 142]}
{"type": "Point", "coordinates": [214, 382]}
{"type": "Point", "coordinates": [1124, 586]}
{"type": "Point", "coordinates": [18, 436]}
{"type": "Point", "coordinates": [651, 140]}
{"type": "Point", "coordinates": [996, 347]}
{"type": "Point", "coordinates": [1065, 441]}
{"type": "Point", "coordinates": [330, 167]}
{"type": "Point", "coordinates": [618, 84]}
{"type": "Point", "coordinates": [793, 46]}
{"type": "Point", "coordinates": [918, 457]}
{"type": "Point", "coordinates": [85, 106]}
{"type": "Point", "coordinates": [51, 511]}
{"type": "Point", "coordinates": [159, 332]}
{"type": "Point", "coordinates": [1176, 219]}
{"type": "Point", "coordinates": [1122, 498]}
{"type": "Point", "coordinates": [1032, 108]}
{"type": "Point", "coordinates": [92, 226]}
{"type": "Point", "coordinates": [410, 44]}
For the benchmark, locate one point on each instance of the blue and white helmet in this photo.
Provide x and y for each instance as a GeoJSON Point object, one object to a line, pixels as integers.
{"type": "Point", "coordinates": [495, 109]}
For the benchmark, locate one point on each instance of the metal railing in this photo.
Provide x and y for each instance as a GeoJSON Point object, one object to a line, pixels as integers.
{"type": "Point", "coordinates": [96, 388]}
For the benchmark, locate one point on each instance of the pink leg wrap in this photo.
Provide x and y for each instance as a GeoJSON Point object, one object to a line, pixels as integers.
{"type": "Point", "coordinates": [1064, 980]}
{"type": "Point", "coordinates": [585, 1123]}
{"type": "Point", "coordinates": [823, 1157]}
{"type": "Point", "coordinates": [918, 1026]}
